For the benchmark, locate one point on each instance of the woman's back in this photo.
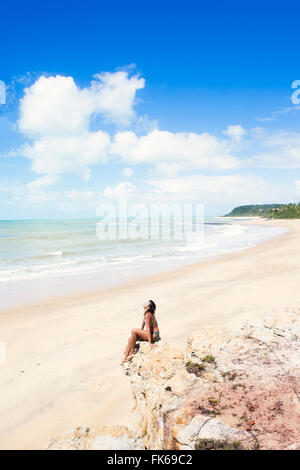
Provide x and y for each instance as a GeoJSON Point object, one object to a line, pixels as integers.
{"type": "Point", "coordinates": [153, 326]}
{"type": "Point", "coordinates": [154, 323]}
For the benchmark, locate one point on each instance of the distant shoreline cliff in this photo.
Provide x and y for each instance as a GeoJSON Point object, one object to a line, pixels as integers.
{"type": "Point", "coordinates": [272, 211]}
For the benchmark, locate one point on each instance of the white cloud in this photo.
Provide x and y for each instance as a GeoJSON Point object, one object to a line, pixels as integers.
{"type": "Point", "coordinates": [145, 124]}
{"type": "Point", "coordinates": [276, 113]}
{"type": "Point", "coordinates": [79, 196]}
{"type": "Point", "coordinates": [86, 174]}
{"type": "Point", "coordinates": [220, 190]}
{"type": "Point", "coordinates": [58, 155]}
{"type": "Point", "coordinates": [196, 184]}
{"type": "Point", "coordinates": [168, 169]}
{"type": "Point", "coordinates": [39, 196]}
{"type": "Point", "coordinates": [189, 149]}
{"type": "Point", "coordinates": [218, 193]}
{"type": "Point", "coordinates": [55, 106]}
{"type": "Point", "coordinates": [56, 114]}
{"type": "Point", "coordinates": [235, 132]}
{"type": "Point", "coordinates": [114, 95]}
{"type": "Point", "coordinates": [277, 150]}
{"type": "Point", "coordinates": [42, 182]}
{"type": "Point", "coordinates": [119, 190]}
{"type": "Point", "coordinates": [128, 172]}
{"type": "Point", "coordinates": [31, 195]}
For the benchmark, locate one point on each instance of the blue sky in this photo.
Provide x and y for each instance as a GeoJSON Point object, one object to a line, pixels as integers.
{"type": "Point", "coordinates": [190, 101]}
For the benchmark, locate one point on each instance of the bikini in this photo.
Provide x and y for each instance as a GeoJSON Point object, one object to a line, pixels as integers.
{"type": "Point", "coordinates": [156, 336]}
{"type": "Point", "coordinates": [155, 333]}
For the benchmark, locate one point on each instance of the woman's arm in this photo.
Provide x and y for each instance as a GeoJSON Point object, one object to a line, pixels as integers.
{"type": "Point", "coordinates": [148, 327]}
{"type": "Point", "coordinates": [143, 324]}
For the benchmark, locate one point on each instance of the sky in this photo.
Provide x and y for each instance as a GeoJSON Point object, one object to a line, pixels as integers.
{"type": "Point", "coordinates": [161, 102]}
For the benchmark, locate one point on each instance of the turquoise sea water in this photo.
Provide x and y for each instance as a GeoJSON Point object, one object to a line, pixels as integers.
{"type": "Point", "coordinates": [40, 258]}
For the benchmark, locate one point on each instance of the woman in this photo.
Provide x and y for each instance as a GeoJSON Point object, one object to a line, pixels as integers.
{"type": "Point", "coordinates": [151, 333]}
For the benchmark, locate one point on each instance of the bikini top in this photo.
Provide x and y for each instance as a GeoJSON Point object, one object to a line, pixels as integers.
{"type": "Point", "coordinates": [154, 322]}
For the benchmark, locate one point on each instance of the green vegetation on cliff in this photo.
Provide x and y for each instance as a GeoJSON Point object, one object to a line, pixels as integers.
{"type": "Point", "coordinates": [272, 211]}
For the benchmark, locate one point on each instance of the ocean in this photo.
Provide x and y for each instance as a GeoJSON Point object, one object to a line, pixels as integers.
{"type": "Point", "coordinates": [40, 259]}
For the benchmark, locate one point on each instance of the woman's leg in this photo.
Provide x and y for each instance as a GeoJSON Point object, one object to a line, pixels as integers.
{"type": "Point", "coordinates": [136, 335]}
{"type": "Point", "coordinates": [127, 351]}
{"type": "Point", "coordinates": [128, 348]}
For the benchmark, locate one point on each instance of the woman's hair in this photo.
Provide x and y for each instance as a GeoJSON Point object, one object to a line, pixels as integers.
{"type": "Point", "coordinates": [151, 307]}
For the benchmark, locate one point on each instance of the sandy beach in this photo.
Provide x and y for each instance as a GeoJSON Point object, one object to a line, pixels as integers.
{"type": "Point", "coordinates": [63, 356]}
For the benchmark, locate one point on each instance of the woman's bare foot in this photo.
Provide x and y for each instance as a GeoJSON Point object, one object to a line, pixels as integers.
{"type": "Point", "coordinates": [128, 358]}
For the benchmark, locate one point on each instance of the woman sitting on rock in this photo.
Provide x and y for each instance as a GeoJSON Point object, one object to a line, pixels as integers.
{"type": "Point", "coordinates": [151, 333]}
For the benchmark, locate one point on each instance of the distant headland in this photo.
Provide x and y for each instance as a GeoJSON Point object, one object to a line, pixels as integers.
{"type": "Point", "coordinates": [272, 211]}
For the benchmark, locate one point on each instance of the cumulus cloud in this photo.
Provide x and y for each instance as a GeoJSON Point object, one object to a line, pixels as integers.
{"type": "Point", "coordinates": [172, 153]}
{"type": "Point", "coordinates": [29, 195]}
{"type": "Point", "coordinates": [37, 194]}
{"type": "Point", "coordinates": [144, 124]}
{"type": "Point", "coordinates": [235, 132]}
{"type": "Point", "coordinates": [279, 149]}
{"type": "Point", "coordinates": [42, 182]}
{"type": "Point", "coordinates": [56, 115]}
{"type": "Point", "coordinates": [189, 149]}
{"type": "Point", "coordinates": [114, 95]}
{"type": "Point", "coordinates": [128, 172]}
{"type": "Point", "coordinates": [216, 192]}
{"type": "Point", "coordinates": [196, 184]}
{"type": "Point", "coordinates": [58, 155]}
{"type": "Point", "coordinates": [55, 106]}
{"type": "Point", "coordinates": [120, 189]}
{"type": "Point", "coordinates": [79, 196]}
{"type": "Point", "coordinates": [219, 190]}
{"type": "Point", "coordinates": [168, 169]}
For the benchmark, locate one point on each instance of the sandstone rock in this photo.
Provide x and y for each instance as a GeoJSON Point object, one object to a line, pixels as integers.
{"type": "Point", "coordinates": [260, 352]}
{"type": "Point", "coordinates": [97, 438]}
{"type": "Point", "coordinates": [205, 428]}
{"type": "Point", "coordinates": [209, 340]}
{"type": "Point", "coordinates": [229, 388]}
{"type": "Point", "coordinates": [286, 325]}
{"type": "Point", "coordinates": [234, 382]}
{"type": "Point", "coordinates": [159, 382]}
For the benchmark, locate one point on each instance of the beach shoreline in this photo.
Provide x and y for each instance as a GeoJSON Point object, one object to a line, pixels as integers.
{"type": "Point", "coordinates": [92, 293]}
{"type": "Point", "coordinates": [49, 261]}
{"type": "Point", "coordinates": [63, 355]}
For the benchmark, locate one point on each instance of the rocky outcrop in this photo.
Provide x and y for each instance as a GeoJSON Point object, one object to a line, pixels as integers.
{"type": "Point", "coordinates": [228, 389]}
{"type": "Point", "coordinates": [159, 382]}
{"type": "Point", "coordinates": [97, 438]}
{"type": "Point", "coordinates": [164, 412]}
